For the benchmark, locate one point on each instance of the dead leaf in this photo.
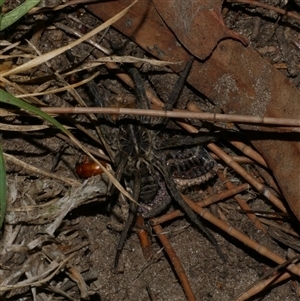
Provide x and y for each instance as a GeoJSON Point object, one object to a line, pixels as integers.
{"type": "Point", "coordinates": [198, 25]}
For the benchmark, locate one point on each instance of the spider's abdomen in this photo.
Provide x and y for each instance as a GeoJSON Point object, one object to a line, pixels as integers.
{"type": "Point", "coordinates": [190, 166]}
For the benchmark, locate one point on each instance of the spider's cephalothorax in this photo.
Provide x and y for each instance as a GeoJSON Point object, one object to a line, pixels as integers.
{"type": "Point", "coordinates": [154, 165]}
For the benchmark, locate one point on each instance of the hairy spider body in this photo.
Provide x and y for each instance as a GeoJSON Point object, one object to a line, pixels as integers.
{"type": "Point", "coordinates": [151, 164]}
{"type": "Point", "coordinates": [155, 176]}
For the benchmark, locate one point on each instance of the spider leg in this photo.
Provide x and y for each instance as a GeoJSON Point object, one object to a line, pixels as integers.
{"type": "Point", "coordinates": [189, 212]}
{"type": "Point", "coordinates": [98, 99]}
{"type": "Point", "coordinates": [130, 219]}
{"type": "Point", "coordinates": [118, 174]}
{"type": "Point", "coordinates": [188, 141]}
{"type": "Point", "coordinates": [142, 100]}
{"type": "Point", "coordinates": [178, 86]}
{"type": "Point", "coordinates": [125, 231]}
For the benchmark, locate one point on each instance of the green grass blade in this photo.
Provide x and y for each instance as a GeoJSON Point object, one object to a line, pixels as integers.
{"type": "Point", "coordinates": [10, 99]}
{"type": "Point", "coordinates": [17, 13]}
{"type": "Point", "coordinates": [1, 3]}
{"type": "Point", "coordinates": [2, 188]}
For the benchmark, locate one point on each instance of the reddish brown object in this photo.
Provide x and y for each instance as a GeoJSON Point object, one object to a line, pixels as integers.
{"type": "Point", "coordinates": [87, 170]}
{"type": "Point", "coordinates": [144, 238]}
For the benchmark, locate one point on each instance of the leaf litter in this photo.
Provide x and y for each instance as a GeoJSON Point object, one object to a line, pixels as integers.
{"type": "Point", "coordinates": [57, 243]}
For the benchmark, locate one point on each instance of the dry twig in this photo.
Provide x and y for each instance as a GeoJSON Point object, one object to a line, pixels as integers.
{"type": "Point", "coordinates": [176, 263]}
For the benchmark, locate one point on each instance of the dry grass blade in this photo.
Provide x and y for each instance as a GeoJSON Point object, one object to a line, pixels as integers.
{"type": "Point", "coordinates": [130, 59]}
{"type": "Point", "coordinates": [177, 114]}
{"type": "Point", "coordinates": [90, 64]}
{"type": "Point", "coordinates": [22, 128]}
{"type": "Point", "coordinates": [33, 169]}
{"type": "Point", "coordinates": [58, 90]}
{"type": "Point", "coordinates": [50, 55]}
{"type": "Point", "coordinates": [40, 279]}
{"type": "Point", "coordinates": [57, 209]}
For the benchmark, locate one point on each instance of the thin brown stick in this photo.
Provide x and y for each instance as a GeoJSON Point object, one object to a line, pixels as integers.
{"type": "Point", "coordinates": [259, 287]}
{"type": "Point", "coordinates": [210, 200]}
{"type": "Point", "coordinates": [176, 114]}
{"type": "Point", "coordinates": [176, 263]}
{"type": "Point", "coordinates": [242, 203]}
{"type": "Point", "coordinates": [268, 178]}
{"type": "Point", "coordinates": [277, 226]}
{"type": "Point", "coordinates": [166, 217]}
{"type": "Point", "coordinates": [238, 159]}
{"type": "Point", "coordinates": [223, 195]}
{"type": "Point", "coordinates": [250, 152]}
{"type": "Point", "coordinates": [295, 269]}
{"type": "Point", "coordinates": [144, 238]}
{"type": "Point", "coordinates": [275, 276]}
{"type": "Point", "coordinates": [266, 6]}
{"type": "Point", "coordinates": [253, 182]}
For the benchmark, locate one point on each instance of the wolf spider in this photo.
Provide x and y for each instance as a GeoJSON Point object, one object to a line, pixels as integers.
{"type": "Point", "coordinates": [147, 158]}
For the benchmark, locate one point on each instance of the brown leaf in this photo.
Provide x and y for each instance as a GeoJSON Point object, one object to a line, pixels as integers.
{"type": "Point", "coordinates": [198, 25]}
